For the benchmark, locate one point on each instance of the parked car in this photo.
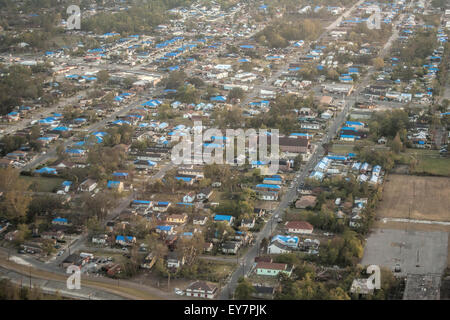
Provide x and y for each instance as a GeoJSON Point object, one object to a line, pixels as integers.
{"type": "Point", "coordinates": [179, 291]}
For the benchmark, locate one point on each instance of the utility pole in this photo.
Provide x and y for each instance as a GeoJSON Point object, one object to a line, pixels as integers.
{"type": "Point", "coordinates": [30, 275]}
{"type": "Point", "coordinates": [168, 282]}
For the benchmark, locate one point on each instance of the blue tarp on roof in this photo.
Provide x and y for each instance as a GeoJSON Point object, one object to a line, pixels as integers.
{"type": "Point", "coordinates": [47, 170]}
{"type": "Point", "coordinates": [120, 174]}
{"type": "Point", "coordinates": [185, 179]}
{"type": "Point", "coordinates": [164, 228]}
{"type": "Point", "coordinates": [221, 217]}
{"type": "Point", "coordinates": [218, 98]}
{"type": "Point", "coordinates": [268, 186]}
{"type": "Point", "coordinates": [113, 184]}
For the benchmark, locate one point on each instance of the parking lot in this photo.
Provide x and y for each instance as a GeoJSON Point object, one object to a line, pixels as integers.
{"type": "Point", "coordinates": [417, 252]}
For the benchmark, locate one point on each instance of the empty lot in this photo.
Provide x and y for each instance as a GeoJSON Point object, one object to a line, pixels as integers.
{"type": "Point", "coordinates": [417, 252]}
{"type": "Point", "coordinates": [416, 197]}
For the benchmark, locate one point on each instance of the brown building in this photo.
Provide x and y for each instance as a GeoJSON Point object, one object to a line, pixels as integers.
{"type": "Point", "coordinates": [293, 145]}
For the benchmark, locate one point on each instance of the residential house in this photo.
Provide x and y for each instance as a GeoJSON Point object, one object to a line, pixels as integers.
{"type": "Point", "coordinates": [272, 269]}
{"type": "Point", "coordinates": [355, 221]}
{"type": "Point", "coordinates": [87, 185]}
{"type": "Point", "coordinates": [149, 261]}
{"type": "Point", "coordinates": [200, 220]}
{"type": "Point", "coordinates": [177, 218]}
{"type": "Point", "coordinates": [293, 144]}
{"type": "Point", "coordinates": [290, 241]}
{"type": "Point", "coordinates": [267, 195]}
{"type": "Point", "coordinates": [204, 193]}
{"type": "Point", "coordinates": [99, 239]}
{"type": "Point", "coordinates": [201, 289]}
{"type": "Point", "coordinates": [11, 236]}
{"type": "Point", "coordinates": [230, 247]}
{"type": "Point", "coordinates": [224, 218]}
{"type": "Point", "coordinates": [165, 229]}
{"type": "Point", "coordinates": [277, 247]}
{"type": "Point", "coordinates": [263, 292]}
{"type": "Point", "coordinates": [248, 223]}
{"type": "Point", "coordinates": [117, 185]}
{"type": "Point", "coordinates": [161, 206]}
{"type": "Point", "coordinates": [175, 260]}
{"type": "Point", "coordinates": [125, 240]}
{"type": "Point", "coordinates": [302, 227]}
{"type": "Point", "coordinates": [52, 235]}
{"type": "Point", "coordinates": [208, 246]}
{"type": "Point", "coordinates": [190, 197]}
{"type": "Point", "coordinates": [60, 221]}
{"type": "Point", "coordinates": [259, 212]}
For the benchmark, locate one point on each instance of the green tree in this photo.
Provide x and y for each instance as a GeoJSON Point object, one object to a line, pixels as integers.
{"type": "Point", "coordinates": [244, 289]}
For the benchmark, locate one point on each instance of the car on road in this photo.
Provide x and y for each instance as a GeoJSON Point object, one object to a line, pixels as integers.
{"type": "Point", "coordinates": [179, 291]}
{"type": "Point", "coordinates": [60, 253]}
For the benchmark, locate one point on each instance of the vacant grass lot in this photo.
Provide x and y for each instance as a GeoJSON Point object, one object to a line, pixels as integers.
{"type": "Point", "coordinates": [42, 184]}
{"type": "Point", "coordinates": [342, 149]}
{"type": "Point", "coordinates": [416, 197]}
{"type": "Point", "coordinates": [430, 162]}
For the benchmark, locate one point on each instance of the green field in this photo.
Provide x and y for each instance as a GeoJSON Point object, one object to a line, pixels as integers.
{"type": "Point", "coordinates": [342, 149]}
{"type": "Point", "coordinates": [430, 162]}
{"type": "Point", "coordinates": [42, 184]}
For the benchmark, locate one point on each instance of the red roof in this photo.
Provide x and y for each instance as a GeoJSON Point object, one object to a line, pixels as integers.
{"type": "Point", "coordinates": [299, 225]}
{"type": "Point", "coordinates": [271, 266]}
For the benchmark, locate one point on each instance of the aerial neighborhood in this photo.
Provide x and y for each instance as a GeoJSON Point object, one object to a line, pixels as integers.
{"type": "Point", "coordinates": [93, 118]}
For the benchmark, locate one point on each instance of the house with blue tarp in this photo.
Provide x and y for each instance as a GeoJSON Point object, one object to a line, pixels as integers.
{"type": "Point", "coordinates": [46, 170]}
{"type": "Point", "coordinates": [224, 218]}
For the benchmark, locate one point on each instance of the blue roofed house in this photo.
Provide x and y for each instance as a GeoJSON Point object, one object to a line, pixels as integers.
{"type": "Point", "coordinates": [161, 206]}
{"type": "Point", "coordinates": [224, 218]}
{"type": "Point", "coordinates": [118, 185]}
{"type": "Point", "coordinates": [267, 187]}
{"type": "Point", "coordinates": [165, 229]}
{"type": "Point", "coordinates": [188, 180]}
{"type": "Point", "coordinates": [121, 175]}
{"type": "Point", "coordinates": [125, 240]}
{"type": "Point", "coordinates": [46, 170]}
{"type": "Point", "coordinates": [66, 185]}
{"type": "Point", "coordinates": [60, 221]}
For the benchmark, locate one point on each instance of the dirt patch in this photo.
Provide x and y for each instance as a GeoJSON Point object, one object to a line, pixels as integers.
{"type": "Point", "coordinates": [410, 226]}
{"type": "Point", "coordinates": [416, 197]}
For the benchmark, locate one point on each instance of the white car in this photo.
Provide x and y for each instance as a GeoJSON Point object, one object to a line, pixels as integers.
{"type": "Point", "coordinates": [179, 291]}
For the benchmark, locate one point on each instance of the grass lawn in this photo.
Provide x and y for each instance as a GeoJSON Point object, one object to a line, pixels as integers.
{"type": "Point", "coordinates": [219, 270]}
{"type": "Point", "coordinates": [42, 184]}
{"type": "Point", "coordinates": [342, 148]}
{"type": "Point", "coordinates": [430, 162]}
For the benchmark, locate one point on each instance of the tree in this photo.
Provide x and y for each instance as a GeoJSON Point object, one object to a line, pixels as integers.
{"type": "Point", "coordinates": [15, 202]}
{"type": "Point", "coordinates": [23, 234]}
{"type": "Point", "coordinates": [103, 76]}
{"type": "Point", "coordinates": [244, 289]}
{"type": "Point", "coordinates": [396, 144]}
{"type": "Point", "coordinates": [378, 63]}
{"type": "Point", "coordinates": [236, 93]}
{"type": "Point", "coordinates": [338, 294]}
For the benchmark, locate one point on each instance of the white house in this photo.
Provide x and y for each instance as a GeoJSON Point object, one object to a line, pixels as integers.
{"type": "Point", "coordinates": [201, 289]}
{"type": "Point", "coordinates": [277, 247]}
{"type": "Point", "coordinates": [302, 227]}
